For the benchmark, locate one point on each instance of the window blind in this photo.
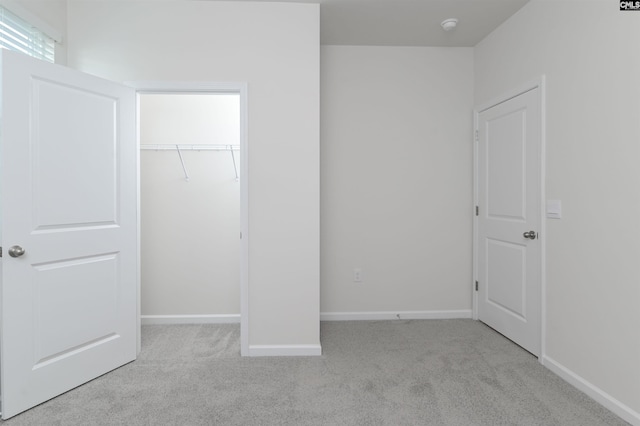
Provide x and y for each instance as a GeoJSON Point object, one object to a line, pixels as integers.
{"type": "Point", "coordinates": [19, 35]}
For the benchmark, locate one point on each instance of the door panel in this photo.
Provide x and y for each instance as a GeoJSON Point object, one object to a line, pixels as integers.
{"type": "Point", "coordinates": [61, 179]}
{"type": "Point", "coordinates": [59, 333]}
{"type": "Point", "coordinates": [68, 191]}
{"type": "Point", "coordinates": [506, 266]}
{"type": "Point", "coordinates": [505, 157]}
{"type": "Point", "coordinates": [509, 146]}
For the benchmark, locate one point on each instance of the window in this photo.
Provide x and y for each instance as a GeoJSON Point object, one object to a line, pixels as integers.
{"type": "Point", "coordinates": [19, 35]}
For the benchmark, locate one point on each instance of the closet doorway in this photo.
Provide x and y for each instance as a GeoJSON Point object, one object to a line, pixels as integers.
{"type": "Point", "coordinates": [193, 219]}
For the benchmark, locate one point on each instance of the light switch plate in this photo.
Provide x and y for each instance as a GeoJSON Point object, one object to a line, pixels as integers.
{"type": "Point", "coordinates": [554, 209]}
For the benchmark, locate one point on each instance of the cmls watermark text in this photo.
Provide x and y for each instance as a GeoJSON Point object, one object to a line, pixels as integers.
{"type": "Point", "coordinates": [629, 5]}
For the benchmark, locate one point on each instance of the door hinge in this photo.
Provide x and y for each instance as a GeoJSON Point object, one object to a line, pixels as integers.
{"type": "Point", "coordinates": [477, 136]}
{"type": "Point", "coordinates": [476, 285]}
{"type": "Point", "coordinates": [477, 210]}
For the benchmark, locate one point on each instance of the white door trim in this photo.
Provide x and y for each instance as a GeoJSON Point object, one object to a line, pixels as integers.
{"type": "Point", "coordinates": [147, 87]}
{"type": "Point", "coordinates": [542, 235]}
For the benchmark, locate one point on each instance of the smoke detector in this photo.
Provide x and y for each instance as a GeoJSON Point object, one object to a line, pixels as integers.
{"type": "Point", "coordinates": [449, 24]}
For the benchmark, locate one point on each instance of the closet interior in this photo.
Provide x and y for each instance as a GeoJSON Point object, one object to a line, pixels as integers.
{"type": "Point", "coordinates": [190, 204]}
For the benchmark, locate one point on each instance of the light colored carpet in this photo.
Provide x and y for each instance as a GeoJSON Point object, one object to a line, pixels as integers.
{"type": "Point", "coordinates": [432, 372]}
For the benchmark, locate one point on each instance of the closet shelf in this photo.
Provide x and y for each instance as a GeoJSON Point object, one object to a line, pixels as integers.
{"type": "Point", "coordinates": [193, 147]}
{"type": "Point", "coordinates": [179, 148]}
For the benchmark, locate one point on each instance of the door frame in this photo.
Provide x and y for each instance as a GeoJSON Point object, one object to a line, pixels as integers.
{"type": "Point", "coordinates": [542, 234]}
{"type": "Point", "coordinates": [240, 88]}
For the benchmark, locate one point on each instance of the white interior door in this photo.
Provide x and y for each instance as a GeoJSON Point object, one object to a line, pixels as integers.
{"type": "Point", "coordinates": [68, 192]}
{"type": "Point", "coordinates": [508, 223]}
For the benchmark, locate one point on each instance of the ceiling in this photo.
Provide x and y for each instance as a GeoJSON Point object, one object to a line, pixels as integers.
{"type": "Point", "coordinates": [410, 22]}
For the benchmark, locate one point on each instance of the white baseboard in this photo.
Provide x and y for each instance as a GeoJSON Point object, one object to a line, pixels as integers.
{"type": "Point", "coordinates": [393, 315]}
{"type": "Point", "coordinates": [189, 319]}
{"type": "Point", "coordinates": [285, 350]}
{"type": "Point", "coordinates": [600, 396]}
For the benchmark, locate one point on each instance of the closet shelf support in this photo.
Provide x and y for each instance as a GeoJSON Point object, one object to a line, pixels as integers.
{"type": "Point", "coordinates": [233, 158]}
{"type": "Point", "coordinates": [186, 175]}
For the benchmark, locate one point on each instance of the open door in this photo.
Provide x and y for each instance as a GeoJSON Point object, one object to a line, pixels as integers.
{"type": "Point", "coordinates": [509, 250]}
{"type": "Point", "coordinates": [68, 192]}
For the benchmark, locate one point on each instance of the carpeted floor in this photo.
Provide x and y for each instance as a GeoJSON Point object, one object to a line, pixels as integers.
{"type": "Point", "coordinates": [432, 372]}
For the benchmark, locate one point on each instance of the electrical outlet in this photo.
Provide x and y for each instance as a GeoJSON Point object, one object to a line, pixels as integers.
{"type": "Point", "coordinates": [357, 275]}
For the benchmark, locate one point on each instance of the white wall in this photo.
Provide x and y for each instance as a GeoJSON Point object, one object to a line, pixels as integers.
{"type": "Point", "coordinates": [396, 174]}
{"type": "Point", "coordinates": [589, 53]}
{"type": "Point", "coordinates": [190, 251]}
{"type": "Point", "coordinates": [275, 48]}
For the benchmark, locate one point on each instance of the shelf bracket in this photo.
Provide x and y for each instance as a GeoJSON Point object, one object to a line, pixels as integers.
{"type": "Point", "coordinates": [186, 175]}
{"type": "Point", "coordinates": [233, 157]}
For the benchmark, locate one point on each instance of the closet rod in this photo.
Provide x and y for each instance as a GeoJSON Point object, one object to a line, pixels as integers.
{"type": "Point", "coordinates": [194, 147]}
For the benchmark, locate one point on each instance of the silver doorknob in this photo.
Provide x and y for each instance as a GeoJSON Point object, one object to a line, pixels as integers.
{"type": "Point", "coordinates": [531, 235]}
{"type": "Point", "coordinates": [16, 251]}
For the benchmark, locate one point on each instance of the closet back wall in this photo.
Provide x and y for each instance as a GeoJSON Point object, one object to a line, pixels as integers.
{"type": "Point", "coordinates": [189, 229]}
